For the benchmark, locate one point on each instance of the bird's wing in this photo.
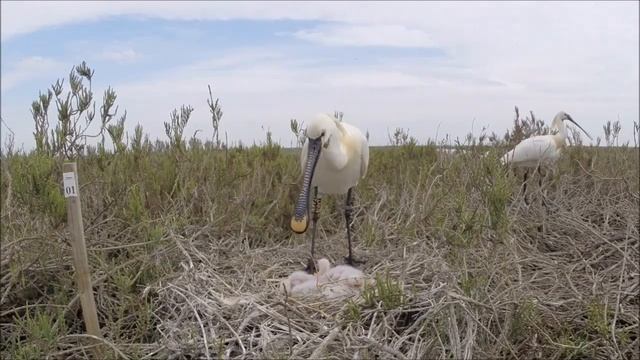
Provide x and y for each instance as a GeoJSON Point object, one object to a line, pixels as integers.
{"type": "Point", "coordinates": [358, 143]}
{"type": "Point", "coordinates": [364, 158]}
{"type": "Point", "coordinates": [531, 149]}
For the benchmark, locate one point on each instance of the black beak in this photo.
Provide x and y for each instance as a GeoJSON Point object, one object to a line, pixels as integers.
{"type": "Point", "coordinates": [576, 124]}
{"type": "Point", "coordinates": [299, 222]}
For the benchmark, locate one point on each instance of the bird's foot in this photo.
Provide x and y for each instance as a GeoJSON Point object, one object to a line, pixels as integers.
{"type": "Point", "coordinates": [311, 267]}
{"type": "Point", "coordinates": [351, 261]}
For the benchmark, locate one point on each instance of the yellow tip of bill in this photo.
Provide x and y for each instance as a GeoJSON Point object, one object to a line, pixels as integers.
{"type": "Point", "coordinates": [299, 226]}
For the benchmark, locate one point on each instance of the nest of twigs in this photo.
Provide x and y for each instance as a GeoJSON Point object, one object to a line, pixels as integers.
{"type": "Point", "coordinates": [239, 308]}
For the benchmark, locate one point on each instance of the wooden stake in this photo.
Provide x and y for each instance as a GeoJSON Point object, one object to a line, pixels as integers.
{"type": "Point", "coordinates": [80, 260]}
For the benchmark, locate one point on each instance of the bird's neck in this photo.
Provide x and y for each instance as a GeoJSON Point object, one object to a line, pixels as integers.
{"type": "Point", "coordinates": [560, 138]}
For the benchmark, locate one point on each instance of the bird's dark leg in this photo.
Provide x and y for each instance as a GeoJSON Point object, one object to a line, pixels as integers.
{"type": "Point", "coordinates": [348, 213]}
{"type": "Point", "coordinates": [544, 202]}
{"type": "Point", "coordinates": [311, 264]}
{"type": "Point", "coordinates": [524, 186]}
{"type": "Point", "coordinates": [542, 199]}
{"type": "Point", "coordinates": [540, 174]}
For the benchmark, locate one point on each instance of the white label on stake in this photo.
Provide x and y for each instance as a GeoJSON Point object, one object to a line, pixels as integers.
{"type": "Point", "coordinates": [70, 184]}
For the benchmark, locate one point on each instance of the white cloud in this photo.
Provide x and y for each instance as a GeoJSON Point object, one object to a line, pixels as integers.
{"type": "Point", "coordinates": [372, 79]}
{"type": "Point", "coordinates": [239, 57]}
{"type": "Point", "coordinates": [25, 17]}
{"type": "Point", "coordinates": [420, 97]}
{"type": "Point", "coordinates": [581, 57]}
{"type": "Point", "coordinates": [26, 69]}
{"type": "Point", "coordinates": [123, 56]}
{"type": "Point", "coordinates": [366, 35]}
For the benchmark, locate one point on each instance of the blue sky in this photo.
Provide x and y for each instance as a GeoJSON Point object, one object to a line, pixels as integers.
{"type": "Point", "coordinates": [435, 68]}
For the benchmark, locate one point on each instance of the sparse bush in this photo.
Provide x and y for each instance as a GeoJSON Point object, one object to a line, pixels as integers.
{"type": "Point", "coordinates": [40, 113]}
{"type": "Point", "coordinates": [524, 128]}
{"type": "Point", "coordinates": [298, 131]}
{"type": "Point", "coordinates": [76, 112]}
{"type": "Point", "coordinates": [385, 292]}
{"type": "Point", "coordinates": [216, 117]}
{"type": "Point", "coordinates": [175, 128]}
{"type": "Point", "coordinates": [117, 134]}
{"type": "Point", "coordinates": [497, 191]}
{"type": "Point", "coordinates": [611, 132]}
{"type": "Point", "coordinates": [401, 137]}
{"type": "Point", "coordinates": [41, 330]}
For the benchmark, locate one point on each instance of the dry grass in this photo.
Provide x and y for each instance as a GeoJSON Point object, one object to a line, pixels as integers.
{"type": "Point", "coordinates": [569, 292]}
{"type": "Point", "coordinates": [188, 248]}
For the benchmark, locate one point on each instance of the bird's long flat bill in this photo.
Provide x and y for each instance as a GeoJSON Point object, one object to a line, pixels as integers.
{"type": "Point", "coordinates": [300, 220]}
{"type": "Point", "coordinates": [576, 124]}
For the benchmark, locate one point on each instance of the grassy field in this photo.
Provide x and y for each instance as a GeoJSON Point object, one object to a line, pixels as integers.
{"type": "Point", "coordinates": [187, 243]}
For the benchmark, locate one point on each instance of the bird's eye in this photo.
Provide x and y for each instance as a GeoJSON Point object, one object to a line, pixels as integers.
{"type": "Point", "coordinates": [322, 133]}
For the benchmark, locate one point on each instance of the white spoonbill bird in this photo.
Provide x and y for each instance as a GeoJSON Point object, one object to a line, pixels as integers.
{"type": "Point", "coordinates": [541, 150]}
{"type": "Point", "coordinates": [334, 157]}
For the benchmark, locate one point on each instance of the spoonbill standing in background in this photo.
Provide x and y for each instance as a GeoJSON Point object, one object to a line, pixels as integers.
{"type": "Point", "coordinates": [540, 150]}
{"type": "Point", "coordinates": [334, 157]}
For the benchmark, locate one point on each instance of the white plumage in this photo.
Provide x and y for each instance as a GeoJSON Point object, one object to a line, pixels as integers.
{"type": "Point", "coordinates": [342, 274]}
{"type": "Point", "coordinates": [541, 149]}
{"type": "Point", "coordinates": [344, 158]}
{"type": "Point", "coordinates": [297, 278]}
